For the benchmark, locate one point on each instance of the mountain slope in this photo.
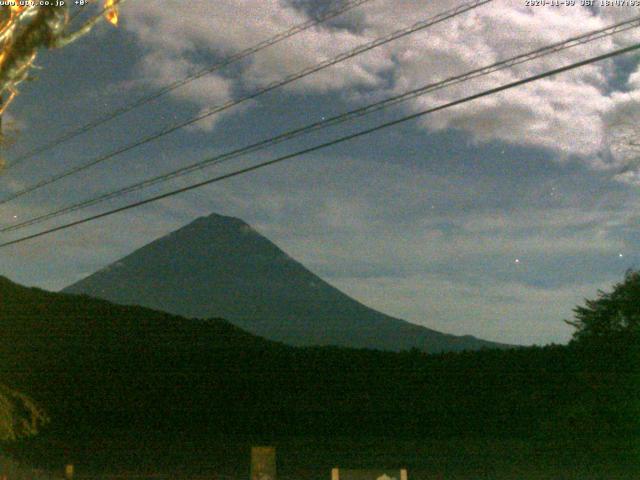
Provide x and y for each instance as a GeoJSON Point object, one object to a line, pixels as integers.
{"type": "Point", "coordinates": [220, 267]}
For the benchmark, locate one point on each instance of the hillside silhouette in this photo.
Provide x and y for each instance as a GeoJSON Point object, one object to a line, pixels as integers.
{"type": "Point", "coordinates": [104, 372]}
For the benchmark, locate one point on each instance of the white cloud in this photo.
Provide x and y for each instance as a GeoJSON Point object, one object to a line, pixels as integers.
{"type": "Point", "coordinates": [561, 113]}
{"type": "Point", "coordinates": [565, 113]}
{"type": "Point", "coordinates": [622, 134]}
{"type": "Point", "coordinates": [215, 29]}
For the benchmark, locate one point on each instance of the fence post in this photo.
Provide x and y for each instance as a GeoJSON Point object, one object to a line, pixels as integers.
{"type": "Point", "coordinates": [263, 463]}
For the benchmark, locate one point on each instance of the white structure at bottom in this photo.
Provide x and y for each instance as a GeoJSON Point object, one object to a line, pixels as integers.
{"type": "Point", "coordinates": [373, 474]}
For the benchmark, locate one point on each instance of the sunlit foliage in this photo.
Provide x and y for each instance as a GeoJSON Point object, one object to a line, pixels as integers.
{"type": "Point", "coordinates": [19, 415]}
{"type": "Point", "coordinates": [26, 29]}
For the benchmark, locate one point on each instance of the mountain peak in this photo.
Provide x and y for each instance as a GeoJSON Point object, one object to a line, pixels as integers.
{"type": "Point", "coordinates": [219, 266]}
{"type": "Point", "coordinates": [215, 221]}
{"type": "Point", "coordinates": [216, 218]}
{"type": "Point", "coordinates": [219, 224]}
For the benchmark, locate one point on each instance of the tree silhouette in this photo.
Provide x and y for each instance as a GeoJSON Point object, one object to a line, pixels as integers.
{"type": "Point", "coordinates": [613, 316]}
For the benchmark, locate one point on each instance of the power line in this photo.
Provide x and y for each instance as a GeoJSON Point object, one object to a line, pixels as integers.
{"type": "Point", "coordinates": [321, 146]}
{"type": "Point", "coordinates": [332, 13]}
{"type": "Point", "coordinates": [421, 25]}
{"type": "Point", "coordinates": [473, 74]}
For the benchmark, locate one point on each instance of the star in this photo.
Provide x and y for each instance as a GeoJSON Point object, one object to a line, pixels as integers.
{"type": "Point", "coordinates": [517, 260]}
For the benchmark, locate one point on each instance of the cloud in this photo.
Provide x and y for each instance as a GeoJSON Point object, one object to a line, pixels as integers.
{"type": "Point", "coordinates": [622, 134]}
{"type": "Point", "coordinates": [566, 114]}
{"type": "Point", "coordinates": [174, 43]}
{"type": "Point", "coordinates": [560, 113]}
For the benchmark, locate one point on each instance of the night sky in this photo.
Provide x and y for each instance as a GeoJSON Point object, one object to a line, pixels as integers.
{"type": "Point", "coordinates": [494, 218]}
